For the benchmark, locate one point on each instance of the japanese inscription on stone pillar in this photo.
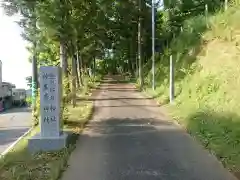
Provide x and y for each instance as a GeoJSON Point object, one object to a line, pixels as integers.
{"type": "Point", "coordinates": [50, 101]}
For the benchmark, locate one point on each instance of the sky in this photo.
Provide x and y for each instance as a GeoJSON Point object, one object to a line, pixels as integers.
{"type": "Point", "coordinates": [13, 54]}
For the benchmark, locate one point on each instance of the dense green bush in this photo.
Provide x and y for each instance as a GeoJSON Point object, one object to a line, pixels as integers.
{"type": "Point", "coordinates": [36, 110]}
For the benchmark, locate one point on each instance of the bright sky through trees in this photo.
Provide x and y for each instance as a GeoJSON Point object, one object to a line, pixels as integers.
{"type": "Point", "coordinates": [13, 53]}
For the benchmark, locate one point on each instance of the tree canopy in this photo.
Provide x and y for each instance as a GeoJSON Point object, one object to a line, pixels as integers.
{"type": "Point", "coordinates": [75, 34]}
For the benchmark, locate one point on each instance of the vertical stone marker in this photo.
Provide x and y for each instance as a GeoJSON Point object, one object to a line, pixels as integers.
{"type": "Point", "coordinates": [50, 101]}
{"type": "Point", "coordinates": [51, 136]}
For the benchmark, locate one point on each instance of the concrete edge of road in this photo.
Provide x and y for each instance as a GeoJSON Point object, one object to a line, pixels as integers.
{"type": "Point", "coordinates": [15, 142]}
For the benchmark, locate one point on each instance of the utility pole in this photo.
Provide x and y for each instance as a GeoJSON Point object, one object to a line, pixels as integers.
{"type": "Point", "coordinates": [206, 14]}
{"type": "Point", "coordinates": [171, 82]}
{"type": "Point", "coordinates": [153, 44]}
{"type": "Point", "coordinates": [225, 5]}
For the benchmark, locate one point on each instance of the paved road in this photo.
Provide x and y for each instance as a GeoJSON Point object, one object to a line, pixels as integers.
{"type": "Point", "coordinates": [13, 124]}
{"type": "Point", "coordinates": [130, 138]}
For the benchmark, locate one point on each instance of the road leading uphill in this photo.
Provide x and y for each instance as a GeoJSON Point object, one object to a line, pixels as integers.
{"type": "Point", "coordinates": [130, 138]}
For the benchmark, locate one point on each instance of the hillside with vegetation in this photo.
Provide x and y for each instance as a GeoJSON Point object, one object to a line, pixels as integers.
{"type": "Point", "coordinates": [206, 55]}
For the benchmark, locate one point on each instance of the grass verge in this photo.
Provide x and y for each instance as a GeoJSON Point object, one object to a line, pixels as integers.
{"type": "Point", "coordinates": [19, 164]}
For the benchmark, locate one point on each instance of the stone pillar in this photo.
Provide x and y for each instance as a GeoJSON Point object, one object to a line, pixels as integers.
{"type": "Point", "coordinates": [51, 136]}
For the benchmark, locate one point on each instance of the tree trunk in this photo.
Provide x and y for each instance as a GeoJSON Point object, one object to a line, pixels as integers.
{"type": "Point", "coordinates": [131, 58]}
{"type": "Point", "coordinates": [79, 62]}
{"type": "Point", "coordinates": [136, 66]}
{"type": "Point", "coordinates": [63, 58]}
{"type": "Point", "coordinates": [94, 66]}
{"type": "Point", "coordinates": [85, 68]}
{"type": "Point", "coordinates": [77, 72]}
{"type": "Point", "coordinates": [140, 44]}
{"type": "Point", "coordinates": [74, 69]}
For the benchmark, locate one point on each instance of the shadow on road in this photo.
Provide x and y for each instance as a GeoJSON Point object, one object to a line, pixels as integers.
{"type": "Point", "coordinates": [146, 148]}
{"type": "Point", "coordinates": [130, 105]}
{"type": "Point", "coordinates": [122, 89]}
{"type": "Point", "coordinates": [113, 99]}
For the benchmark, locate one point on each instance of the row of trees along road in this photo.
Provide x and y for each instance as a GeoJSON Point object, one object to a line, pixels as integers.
{"type": "Point", "coordinates": [74, 33]}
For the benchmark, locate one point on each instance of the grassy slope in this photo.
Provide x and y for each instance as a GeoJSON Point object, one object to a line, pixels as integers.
{"type": "Point", "coordinates": [207, 74]}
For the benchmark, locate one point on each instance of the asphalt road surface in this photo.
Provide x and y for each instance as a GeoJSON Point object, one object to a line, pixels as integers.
{"type": "Point", "coordinates": [13, 124]}
{"type": "Point", "coordinates": [131, 138]}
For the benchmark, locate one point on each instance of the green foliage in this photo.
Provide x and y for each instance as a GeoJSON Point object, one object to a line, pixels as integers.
{"type": "Point", "coordinates": [66, 99]}
{"type": "Point", "coordinates": [29, 81]}
{"type": "Point", "coordinates": [29, 101]}
{"type": "Point", "coordinates": [207, 76]}
{"type": "Point", "coordinates": [36, 110]}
